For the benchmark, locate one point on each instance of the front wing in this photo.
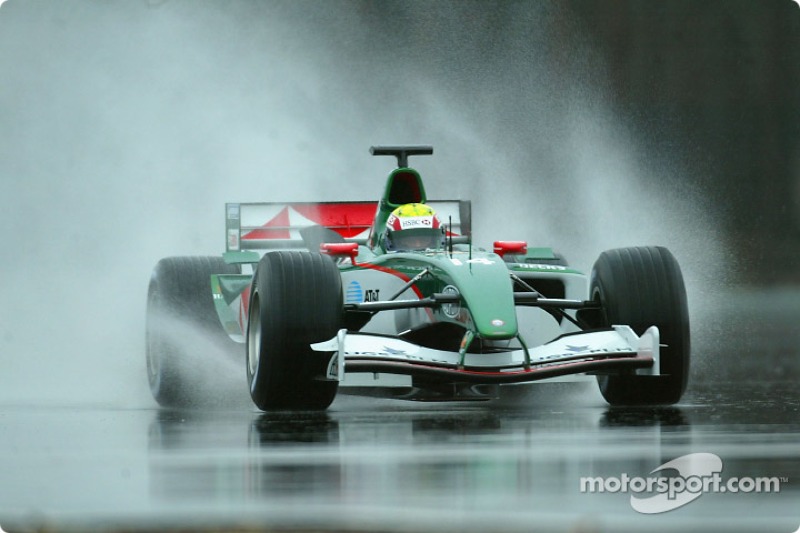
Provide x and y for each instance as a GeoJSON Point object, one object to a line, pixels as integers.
{"type": "Point", "coordinates": [614, 350]}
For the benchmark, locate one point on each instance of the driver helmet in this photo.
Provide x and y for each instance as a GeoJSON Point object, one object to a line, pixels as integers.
{"type": "Point", "coordinates": [413, 227]}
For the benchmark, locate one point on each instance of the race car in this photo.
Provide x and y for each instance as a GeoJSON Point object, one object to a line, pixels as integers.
{"type": "Point", "coordinates": [393, 299]}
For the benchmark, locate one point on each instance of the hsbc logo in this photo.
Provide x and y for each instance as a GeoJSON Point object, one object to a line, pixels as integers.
{"type": "Point", "coordinates": [417, 222]}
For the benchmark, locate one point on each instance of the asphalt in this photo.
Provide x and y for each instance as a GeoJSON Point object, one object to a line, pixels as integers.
{"type": "Point", "coordinates": [368, 465]}
{"type": "Point", "coordinates": [520, 464]}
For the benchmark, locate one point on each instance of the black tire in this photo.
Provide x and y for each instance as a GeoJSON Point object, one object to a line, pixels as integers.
{"type": "Point", "coordinates": [643, 287]}
{"type": "Point", "coordinates": [295, 300]}
{"type": "Point", "coordinates": [181, 323]}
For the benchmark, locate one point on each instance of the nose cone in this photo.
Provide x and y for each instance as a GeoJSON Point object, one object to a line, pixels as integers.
{"type": "Point", "coordinates": [497, 328]}
{"type": "Point", "coordinates": [496, 320]}
{"type": "Point", "coordinates": [486, 288]}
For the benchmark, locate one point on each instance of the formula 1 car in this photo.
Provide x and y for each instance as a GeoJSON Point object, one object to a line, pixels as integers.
{"type": "Point", "coordinates": [392, 299]}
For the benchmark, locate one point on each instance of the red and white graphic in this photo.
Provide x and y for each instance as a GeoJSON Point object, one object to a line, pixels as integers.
{"type": "Point", "coordinates": [350, 220]}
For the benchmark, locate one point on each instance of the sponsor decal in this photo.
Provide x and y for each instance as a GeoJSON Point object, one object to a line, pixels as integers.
{"type": "Point", "coordinates": [577, 349]}
{"type": "Point", "coordinates": [588, 353]}
{"type": "Point", "coordinates": [596, 351]}
{"type": "Point", "coordinates": [348, 219]}
{"type": "Point", "coordinates": [397, 354]}
{"type": "Point", "coordinates": [233, 239]}
{"type": "Point", "coordinates": [354, 294]}
{"type": "Point", "coordinates": [372, 295]}
{"type": "Point", "coordinates": [416, 222]}
{"type": "Point", "coordinates": [454, 309]}
{"type": "Point", "coordinates": [679, 482]}
{"type": "Point", "coordinates": [393, 351]}
{"type": "Point", "coordinates": [536, 266]}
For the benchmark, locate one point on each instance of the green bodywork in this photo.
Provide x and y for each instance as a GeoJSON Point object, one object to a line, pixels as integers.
{"type": "Point", "coordinates": [482, 279]}
{"type": "Point", "coordinates": [226, 288]}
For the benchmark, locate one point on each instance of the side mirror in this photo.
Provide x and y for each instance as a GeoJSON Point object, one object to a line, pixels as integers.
{"type": "Point", "coordinates": [502, 248]}
{"type": "Point", "coordinates": [340, 250]}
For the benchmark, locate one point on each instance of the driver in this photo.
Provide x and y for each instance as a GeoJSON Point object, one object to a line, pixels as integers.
{"type": "Point", "coordinates": [413, 227]}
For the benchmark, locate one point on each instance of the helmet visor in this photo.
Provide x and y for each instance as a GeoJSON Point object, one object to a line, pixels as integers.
{"type": "Point", "coordinates": [416, 239]}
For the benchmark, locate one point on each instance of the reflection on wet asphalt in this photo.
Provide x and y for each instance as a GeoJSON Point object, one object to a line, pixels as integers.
{"type": "Point", "coordinates": [370, 465]}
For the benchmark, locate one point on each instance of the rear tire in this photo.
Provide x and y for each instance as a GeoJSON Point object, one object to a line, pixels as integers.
{"type": "Point", "coordinates": [643, 287]}
{"type": "Point", "coordinates": [182, 321]}
{"type": "Point", "coordinates": [295, 300]}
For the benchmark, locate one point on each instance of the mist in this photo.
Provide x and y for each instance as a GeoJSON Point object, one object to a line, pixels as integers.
{"type": "Point", "coordinates": [127, 125]}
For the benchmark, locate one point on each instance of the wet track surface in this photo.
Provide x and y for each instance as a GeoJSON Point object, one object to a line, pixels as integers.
{"type": "Point", "coordinates": [375, 465]}
{"type": "Point", "coordinates": [513, 465]}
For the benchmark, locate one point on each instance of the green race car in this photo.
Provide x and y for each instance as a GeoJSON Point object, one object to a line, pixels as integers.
{"type": "Point", "coordinates": [392, 299]}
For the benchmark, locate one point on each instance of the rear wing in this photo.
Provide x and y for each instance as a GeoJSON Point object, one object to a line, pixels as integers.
{"type": "Point", "coordinates": [276, 226]}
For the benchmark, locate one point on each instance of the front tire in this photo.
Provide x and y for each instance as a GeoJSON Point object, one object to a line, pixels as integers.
{"type": "Point", "coordinates": [643, 287]}
{"type": "Point", "coordinates": [295, 301]}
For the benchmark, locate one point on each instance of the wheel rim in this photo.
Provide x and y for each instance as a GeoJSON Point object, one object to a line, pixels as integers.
{"type": "Point", "coordinates": [599, 298]}
{"type": "Point", "coordinates": [253, 337]}
{"type": "Point", "coordinates": [153, 360]}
